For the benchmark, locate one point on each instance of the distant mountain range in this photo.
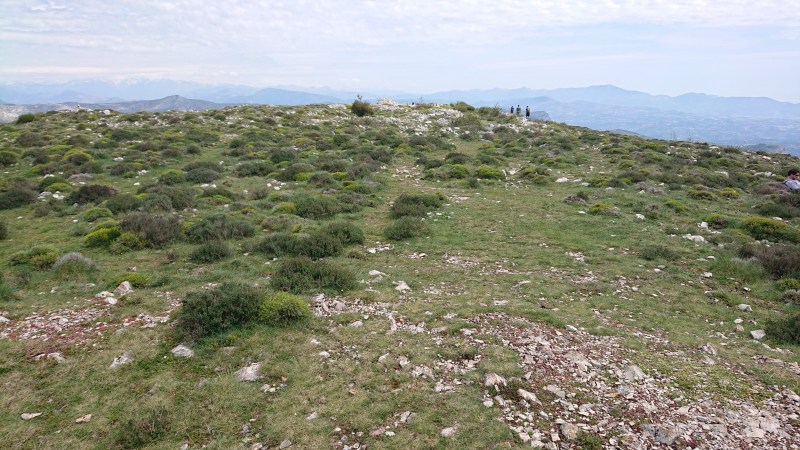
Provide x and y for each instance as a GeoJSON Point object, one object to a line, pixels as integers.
{"type": "Point", "coordinates": [755, 122]}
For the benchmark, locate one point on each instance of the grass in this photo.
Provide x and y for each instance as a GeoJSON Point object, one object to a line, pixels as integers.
{"type": "Point", "coordinates": [508, 240]}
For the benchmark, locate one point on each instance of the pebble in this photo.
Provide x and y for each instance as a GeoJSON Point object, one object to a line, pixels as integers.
{"type": "Point", "coordinates": [285, 444]}
{"type": "Point", "coordinates": [121, 360]}
{"type": "Point", "coordinates": [84, 419]}
{"type": "Point", "coordinates": [29, 416]}
{"type": "Point", "coordinates": [758, 334]}
{"type": "Point", "coordinates": [448, 432]}
{"type": "Point", "coordinates": [745, 307]}
{"type": "Point", "coordinates": [182, 351]}
{"type": "Point", "coordinates": [249, 373]}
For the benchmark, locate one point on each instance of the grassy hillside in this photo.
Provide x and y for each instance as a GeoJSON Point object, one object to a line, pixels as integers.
{"type": "Point", "coordinates": [420, 277]}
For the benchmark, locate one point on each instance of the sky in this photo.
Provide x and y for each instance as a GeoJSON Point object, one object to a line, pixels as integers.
{"type": "Point", "coordinates": [727, 48]}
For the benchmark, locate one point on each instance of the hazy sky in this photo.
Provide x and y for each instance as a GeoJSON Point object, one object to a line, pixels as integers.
{"type": "Point", "coordinates": [730, 47]}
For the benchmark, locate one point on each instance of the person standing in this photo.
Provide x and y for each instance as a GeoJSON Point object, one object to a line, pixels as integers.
{"type": "Point", "coordinates": [519, 111]}
{"type": "Point", "coordinates": [527, 112]}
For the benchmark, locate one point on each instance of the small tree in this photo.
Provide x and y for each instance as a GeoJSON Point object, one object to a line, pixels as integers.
{"type": "Point", "coordinates": [361, 108]}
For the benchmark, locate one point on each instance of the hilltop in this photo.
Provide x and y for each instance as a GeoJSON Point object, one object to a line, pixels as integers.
{"type": "Point", "coordinates": [413, 276]}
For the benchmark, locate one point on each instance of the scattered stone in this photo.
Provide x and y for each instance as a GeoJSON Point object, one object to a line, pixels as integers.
{"type": "Point", "coordinates": [4, 319]}
{"type": "Point", "coordinates": [663, 434]}
{"type": "Point", "coordinates": [182, 351]}
{"type": "Point", "coordinates": [569, 431]}
{"type": "Point", "coordinates": [745, 307]}
{"type": "Point", "coordinates": [708, 348]}
{"type": "Point", "coordinates": [376, 273]}
{"type": "Point", "coordinates": [249, 373]}
{"type": "Point", "coordinates": [29, 416]}
{"type": "Point", "coordinates": [324, 354]}
{"type": "Point", "coordinates": [123, 289]}
{"type": "Point", "coordinates": [571, 328]}
{"type": "Point", "coordinates": [312, 416]}
{"type": "Point", "coordinates": [633, 372]}
{"type": "Point", "coordinates": [422, 372]}
{"type": "Point", "coordinates": [406, 416]}
{"type": "Point", "coordinates": [560, 393]}
{"type": "Point", "coordinates": [285, 444]}
{"type": "Point", "coordinates": [403, 361]}
{"type": "Point", "coordinates": [448, 432]}
{"type": "Point", "coordinates": [493, 379]}
{"type": "Point", "coordinates": [758, 334]}
{"type": "Point", "coordinates": [707, 274]}
{"type": "Point", "coordinates": [529, 397]}
{"type": "Point", "coordinates": [121, 360]}
{"type": "Point", "coordinates": [756, 433]}
{"type": "Point", "coordinates": [737, 321]}
{"type": "Point", "coordinates": [488, 403]}
{"type": "Point", "coordinates": [84, 419]}
{"type": "Point", "coordinates": [356, 324]}
{"type": "Point", "coordinates": [562, 180]}
{"type": "Point", "coordinates": [402, 286]}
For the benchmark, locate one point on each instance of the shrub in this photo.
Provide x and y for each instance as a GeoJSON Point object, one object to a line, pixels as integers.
{"type": "Point", "coordinates": [346, 232]}
{"type": "Point", "coordinates": [210, 252]}
{"type": "Point", "coordinates": [780, 260]}
{"type": "Point", "coordinates": [676, 205]}
{"type": "Point", "coordinates": [208, 312]}
{"type": "Point", "coordinates": [180, 197]}
{"type": "Point", "coordinates": [202, 175]}
{"type": "Point", "coordinates": [16, 197]}
{"type": "Point", "coordinates": [772, 209]}
{"type": "Point", "coordinates": [317, 246]}
{"type": "Point", "coordinates": [7, 158]}
{"type": "Point", "coordinates": [126, 242]}
{"type": "Point", "coordinates": [299, 275]}
{"type": "Point", "coordinates": [172, 177]}
{"type": "Point", "coordinates": [361, 108]}
{"type": "Point", "coordinates": [398, 210]}
{"type": "Point", "coordinates": [91, 193]}
{"type": "Point", "coordinates": [490, 173]}
{"type": "Point", "coordinates": [770, 229]}
{"type": "Point", "coordinates": [73, 265]}
{"type": "Point", "coordinates": [253, 169]}
{"type": "Point", "coordinates": [785, 330]}
{"type": "Point", "coordinates": [219, 226]}
{"type": "Point", "coordinates": [285, 208]}
{"type": "Point", "coordinates": [123, 203]}
{"type": "Point", "coordinates": [154, 230]}
{"type": "Point", "coordinates": [3, 230]}
{"type": "Point", "coordinates": [654, 252]}
{"type": "Point", "coordinates": [277, 244]}
{"type": "Point", "coordinates": [600, 209]}
{"type": "Point", "coordinates": [147, 426]}
{"type": "Point", "coordinates": [729, 192]}
{"type": "Point", "coordinates": [137, 280]}
{"type": "Point", "coordinates": [102, 237]}
{"type": "Point", "coordinates": [700, 194]}
{"type": "Point", "coordinates": [718, 221]}
{"type": "Point", "coordinates": [415, 205]}
{"type": "Point", "coordinates": [406, 228]}
{"type": "Point", "coordinates": [786, 284]}
{"type": "Point", "coordinates": [536, 175]}
{"type": "Point", "coordinates": [317, 207]}
{"type": "Point", "coordinates": [282, 308]}
{"type": "Point", "coordinates": [25, 118]}
{"type": "Point", "coordinates": [96, 213]}
{"type": "Point", "coordinates": [39, 258]}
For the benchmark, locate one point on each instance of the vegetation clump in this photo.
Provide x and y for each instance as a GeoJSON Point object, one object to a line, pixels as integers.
{"type": "Point", "coordinates": [303, 275]}
{"type": "Point", "coordinates": [282, 309]}
{"type": "Point", "coordinates": [73, 265]}
{"type": "Point", "coordinates": [210, 252]}
{"type": "Point", "coordinates": [361, 108]}
{"type": "Point", "coordinates": [219, 226]}
{"type": "Point", "coordinates": [207, 312]}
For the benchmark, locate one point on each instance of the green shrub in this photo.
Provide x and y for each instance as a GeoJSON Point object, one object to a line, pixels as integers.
{"type": "Point", "coordinates": [281, 309]}
{"type": "Point", "coordinates": [346, 232]}
{"type": "Point", "coordinates": [317, 207]}
{"type": "Point", "coordinates": [535, 174]}
{"type": "Point", "coordinates": [180, 197]}
{"type": "Point", "coordinates": [59, 187]}
{"type": "Point", "coordinates": [123, 203]}
{"type": "Point", "coordinates": [415, 205]}
{"type": "Point", "coordinates": [3, 230]}
{"type": "Point", "coordinates": [154, 230]}
{"type": "Point", "coordinates": [676, 205]}
{"type": "Point", "coordinates": [285, 208]}
{"type": "Point", "coordinates": [172, 177]}
{"type": "Point", "coordinates": [770, 229]}
{"type": "Point", "coordinates": [146, 426]}
{"type": "Point", "coordinates": [361, 108]}
{"type": "Point", "coordinates": [126, 242]}
{"type": "Point", "coordinates": [277, 244]}
{"type": "Point", "coordinates": [730, 193]}
{"type": "Point", "coordinates": [600, 181]}
{"type": "Point", "coordinates": [398, 210]}
{"type": "Point", "coordinates": [601, 209]}
{"type": "Point", "coordinates": [773, 209]}
{"type": "Point", "coordinates": [208, 312]}
{"type": "Point", "coordinates": [39, 258]}
{"type": "Point", "coordinates": [253, 169]}
{"type": "Point", "coordinates": [25, 118]}
{"type": "Point", "coordinates": [219, 226]}
{"type": "Point", "coordinates": [406, 228]}
{"type": "Point", "coordinates": [73, 265]}
{"type": "Point", "coordinates": [301, 275]}
{"type": "Point", "coordinates": [780, 260]}
{"type": "Point", "coordinates": [96, 213]}
{"type": "Point", "coordinates": [210, 252]}
{"type": "Point", "coordinates": [137, 280]}
{"type": "Point", "coordinates": [91, 193]}
{"type": "Point", "coordinates": [490, 173]}
{"type": "Point", "coordinates": [788, 283]}
{"type": "Point", "coordinates": [718, 221]}
{"type": "Point", "coordinates": [701, 194]}
{"type": "Point", "coordinates": [317, 245]}
{"type": "Point", "coordinates": [7, 158]}
{"type": "Point", "coordinates": [102, 237]}
{"type": "Point", "coordinates": [785, 330]}
{"type": "Point", "coordinates": [654, 252]}
{"type": "Point", "coordinates": [16, 197]}
{"type": "Point", "coordinates": [202, 175]}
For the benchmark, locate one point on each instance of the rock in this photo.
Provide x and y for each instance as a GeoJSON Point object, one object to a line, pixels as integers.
{"type": "Point", "coordinates": [708, 348]}
{"type": "Point", "coordinates": [182, 351]}
{"type": "Point", "coordinates": [285, 444]}
{"type": "Point", "coordinates": [324, 354]}
{"type": "Point", "coordinates": [406, 416]}
{"type": "Point", "coordinates": [29, 416]}
{"type": "Point", "coordinates": [695, 238]}
{"type": "Point", "coordinates": [402, 286]}
{"type": "Point", "coordinates": [737, 321]}
{"type": "Point", "coordinates": [640, 216]}
{"type": "Point", "coordinates": [488, 403]}
{"type": "Point", "coordinates": [769, 424]}
{"type": "Point", "coordinates": [121, 360]}
{"type": "Point", "coordinates": [493, 379]}
{"type": "Point", "coordinates": [403, 361]}
{"type": "Point", "coordinates": [249, 373]}
{"type": "Point", "coordinates": [376, 273]}
{"type": "Point", "coordinates": [448, 432]}
{"type": "Point", "coordinates": [738, 328]}
{"type": "Point", "coordinates": [663, 434]}
{"type": "Point", "coordinates": [422, 372]}
{"type": "Point", "coordinates": [569, 431]}
{"type": "Point", "coordinates": [562, 180]}
{"type": "Point", "coordinates": [757, 433]}
{"type": "Point", "coordinates": [312, 416]}
{"type": "Point", "coordinates": [556, 391]}
{"type": "Point", "coordinates": [84, 419]}
{"type": "Point", "coordinates": [123, 289]}
{"type": "Point", "coordinates": [633, 372]}
{"type": "Point", "coordinates": [745, 307]}
{"type": "Point", "coordinates": [707, 274]}
{"type": "Point", "coordinates": [4, 319]}
{"type": "Point", "coordinates": [758, 334]}
{"type": "Point", "coordinates": [571, 328]}
{"type": "Point", "coordinates": [356, 324]}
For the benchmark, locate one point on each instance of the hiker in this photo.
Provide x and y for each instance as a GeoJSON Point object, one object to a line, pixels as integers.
{"type": "Point", "coordinates": [527, 112]}
{"type": "Point", "coordinates": [512, 109]}
{"type": "Point", "coordinates": [791, 180]}
{"type": "Point", "coordinates": [519, 111]}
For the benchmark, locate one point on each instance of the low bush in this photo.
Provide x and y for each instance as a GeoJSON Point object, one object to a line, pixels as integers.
{"type": "Point", "coordinates": [137, 280]}
{"type": "Point", "coordinates": [718, 221]}
{"type": "Point", "coordinates": [154, 230]}
{"type": "Point", "coordinates": [39, 258]}
{"type": "Point", "coordinates": [701, 194]}
{"type": "Point", "coordinates": [3, 230]}
{"type": "Point", "coordinates": [172, 177]}
{"type": "Point", "coordinates": [317, 207]}
{"type": "Point", "coordinates": [282, 308]}
{"type": "Point", "coordinates": [73, 265]}
{"type": "Point", "coordinates": [416, 205]}
{"type": "Point", "coordinates": [218, 227]}
{"type": "Point", "coordinates": [25, 118]}
{"type": "Point", "coordinates": [202, 175]}
{"type": "Point", "coordinates": [208, 312]}
{"type": "Point", "coordinates": [180, 197]}
{"type": "Point", "coordinates": [253, 169]}
{"type": "Point", "coordinates": [102, 237]}
{"type": "Point", "coordinates": [347, 233]}
{"type": "Point", "coordinates": [770, 229]}
{"type": "Point", "coordinates": [126, 242]}
{"type": "Point", "coordinates": [317, 245]}
{"type": "Point", "coordinates": [7, 158]}
{"type": "Point", "coordinates": [361, 108]}
{"type": "Point", "coordinates": [91, 193]}
{"type": "Point", "coordinates": [780, 260]}
{"type": "Point", "coordinates": [145, 426]}
{"type": "Point", "coordinates": [277, 244]}
{"type": "Point", "coordinates": [96, 213]}
{"type": "Point", "coordinates": [406, 228]}
{"type": "Point", "coordinates": [490, 173]}
{"type": "Point", "coordinates": [656, 252]}
{"type": "Point", "coordinates": [210, 252]}
{"type": "Point", "coordinates": [676, 205]}
{"type": "Point", "coordinates": [730, 193]}
{"type": "Point", "coordinates": [16, 197]}
{"type": "Point", "coordinates": [303, 275]}
{"type": "Point", "coordinates": [601, 209]}
{"type": "Point", "coordinates": [123, 203]}
{"type": "Point", "coordinates": [785, 330]}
